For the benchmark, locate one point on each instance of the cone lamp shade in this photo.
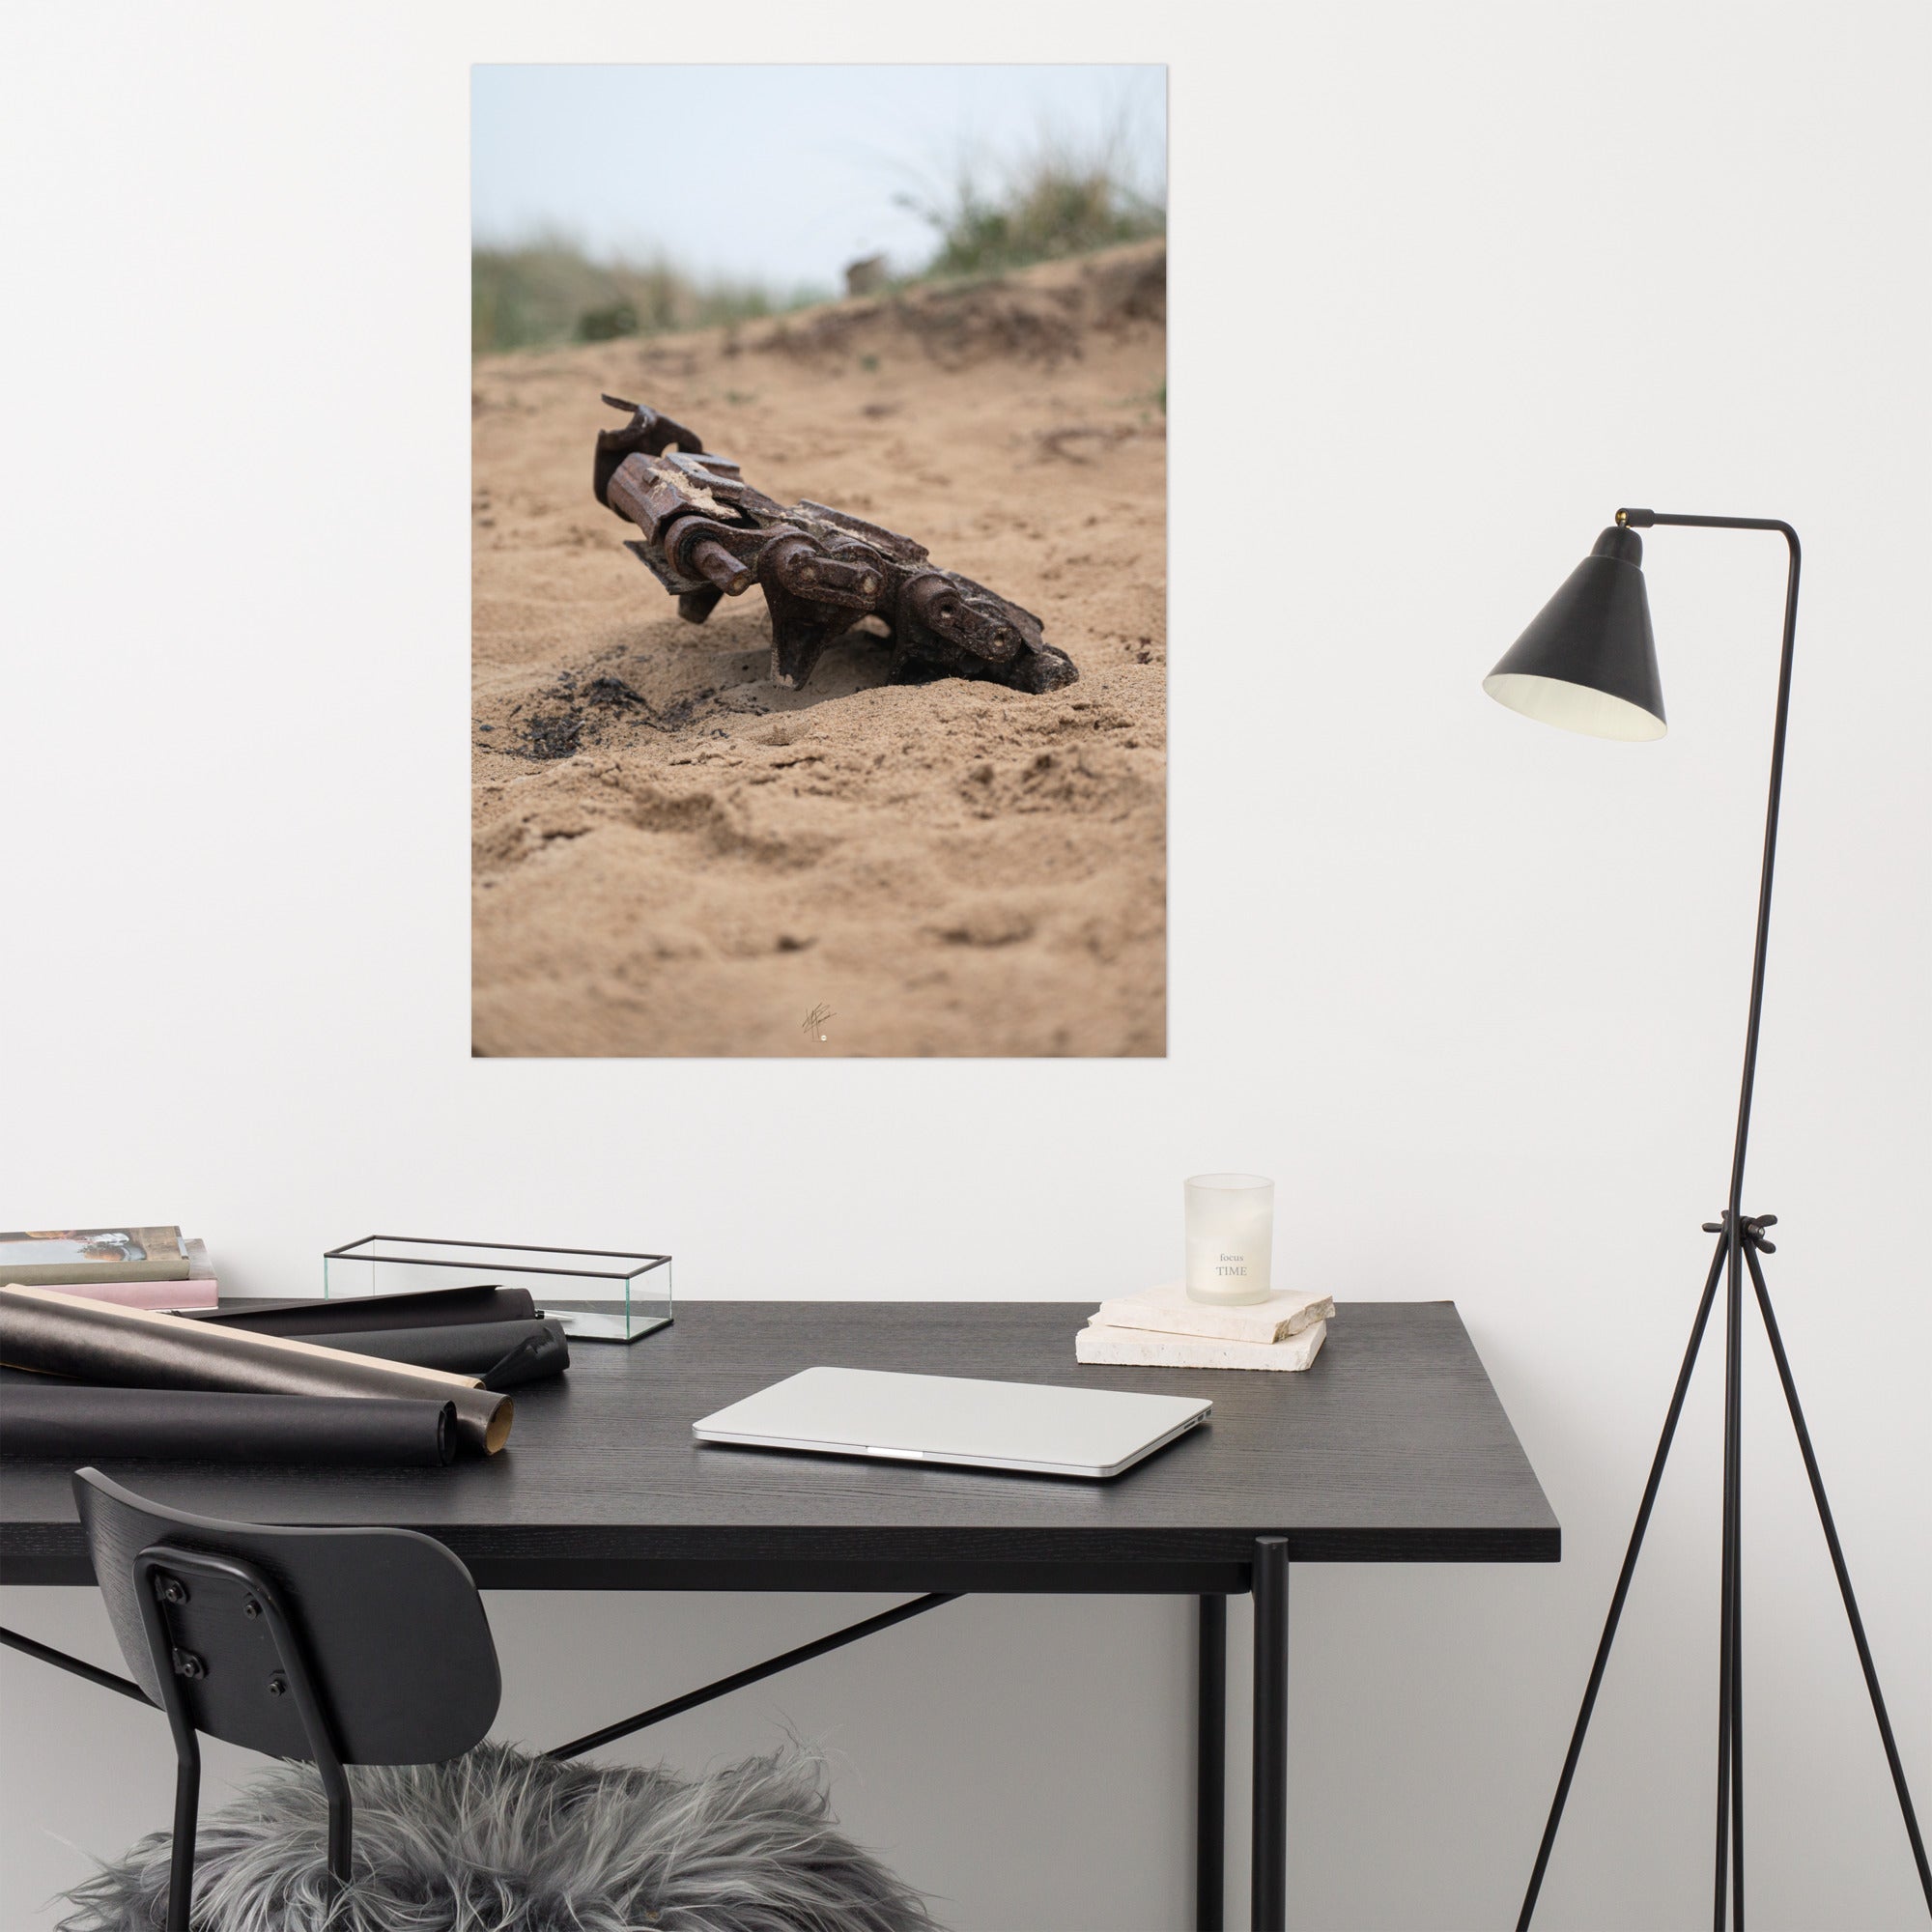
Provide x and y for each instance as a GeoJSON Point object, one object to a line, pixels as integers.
{"type": "Point", "coordinates": [1588, 662]}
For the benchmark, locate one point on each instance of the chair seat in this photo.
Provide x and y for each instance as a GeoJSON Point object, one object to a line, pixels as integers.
{"type": "Point", "coordinates": [498, 1842]}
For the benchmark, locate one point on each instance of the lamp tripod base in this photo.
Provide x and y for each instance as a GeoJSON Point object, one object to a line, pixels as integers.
{"type": "Point", "coordinates": [1741, 1241]}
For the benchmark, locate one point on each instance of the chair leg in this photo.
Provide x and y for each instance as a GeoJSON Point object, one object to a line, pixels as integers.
{"type": "Point", "coordinates": [341, 1825]}
{"type": "Point", "coordinates": [181, 1865]}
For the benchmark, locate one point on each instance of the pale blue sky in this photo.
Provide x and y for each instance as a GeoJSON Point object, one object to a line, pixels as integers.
{"type": "Point", "coordinates": [779, 173]}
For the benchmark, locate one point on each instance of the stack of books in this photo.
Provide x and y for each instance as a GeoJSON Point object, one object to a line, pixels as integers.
{"type": "Point", "coordinates": [1162, 1328]}
{"type": "Point", "coordinates": [131, 1268]}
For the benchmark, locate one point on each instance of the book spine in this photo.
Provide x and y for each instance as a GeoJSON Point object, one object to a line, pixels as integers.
{"type": "Point", "coordinates": [202, 1293]}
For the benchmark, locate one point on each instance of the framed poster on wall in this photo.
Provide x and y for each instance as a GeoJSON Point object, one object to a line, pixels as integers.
{"type": "Point", "coordinates": [819, 560]}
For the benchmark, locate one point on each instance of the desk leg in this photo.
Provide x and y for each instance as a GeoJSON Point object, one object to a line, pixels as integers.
{"type": "Point", "coordinates": [1270, 1893]}
{"type": "Point", "coordinates": [1210, 1767]}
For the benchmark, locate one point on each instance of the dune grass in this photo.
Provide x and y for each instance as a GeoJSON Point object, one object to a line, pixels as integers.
{"type": "Point", "coordinates": [550, 290]}
{"type": "Point", "coordinates": [1056, 201]}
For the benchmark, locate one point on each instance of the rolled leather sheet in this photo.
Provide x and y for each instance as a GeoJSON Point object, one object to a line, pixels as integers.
{"type": "Point", "coordinates": [467, 1348]}
{"type": "Point", "coordinates": [363, 1313]}
{"type": "Point", "coordinates": [74, 1424]}
{"type": "Point", "coordinates": [136, 1348]}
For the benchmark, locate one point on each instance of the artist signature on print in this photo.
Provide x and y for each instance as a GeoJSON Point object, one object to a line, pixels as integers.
{"type": "Point", "coordinates": [818, 1017]}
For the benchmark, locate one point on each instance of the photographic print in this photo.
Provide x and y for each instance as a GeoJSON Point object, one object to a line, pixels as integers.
{"type": "Point", "coordinates": [819, 560]}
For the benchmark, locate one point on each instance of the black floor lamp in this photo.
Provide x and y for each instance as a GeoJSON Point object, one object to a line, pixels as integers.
{"type": "Point", "coordinates": [1588, 663]}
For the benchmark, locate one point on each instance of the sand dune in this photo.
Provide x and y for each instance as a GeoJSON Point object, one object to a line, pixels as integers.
{"type": "Point", "coordinates": [675, 855]}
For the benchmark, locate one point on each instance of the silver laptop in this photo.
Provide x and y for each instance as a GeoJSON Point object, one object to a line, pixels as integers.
{"type": "Point", "coordinates": [1045, 1432]}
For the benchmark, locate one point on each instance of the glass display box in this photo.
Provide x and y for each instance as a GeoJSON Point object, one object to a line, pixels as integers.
{"type": "Point", "coordinates": [598, 1295]}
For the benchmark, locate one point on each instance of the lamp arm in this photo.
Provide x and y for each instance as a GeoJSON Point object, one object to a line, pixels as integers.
{"type": "Point", "coordinates": [1643, 520]}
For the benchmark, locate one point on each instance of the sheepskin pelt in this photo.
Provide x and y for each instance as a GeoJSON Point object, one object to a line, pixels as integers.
{"type": "Point", "coordinates": [497, 1841]}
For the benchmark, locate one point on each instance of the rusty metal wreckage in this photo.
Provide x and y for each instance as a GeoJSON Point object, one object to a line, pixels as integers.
{"type": "Point", "coordinates": [707, 534]}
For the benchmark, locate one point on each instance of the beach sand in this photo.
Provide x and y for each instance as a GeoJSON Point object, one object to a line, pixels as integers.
{"type": "Point", "coordinates": [716, 866]}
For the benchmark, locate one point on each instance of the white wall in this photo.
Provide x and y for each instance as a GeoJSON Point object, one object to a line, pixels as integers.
{"type": "Point", "coordinates": [1448, 285]}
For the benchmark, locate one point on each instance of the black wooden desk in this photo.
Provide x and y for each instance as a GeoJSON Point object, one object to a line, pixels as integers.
{"type": "Point", "coordinates": [1391, 1448]}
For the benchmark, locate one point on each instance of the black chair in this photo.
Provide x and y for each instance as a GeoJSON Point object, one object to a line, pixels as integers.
{"type": "Point", "coordinates": [330, 1646]}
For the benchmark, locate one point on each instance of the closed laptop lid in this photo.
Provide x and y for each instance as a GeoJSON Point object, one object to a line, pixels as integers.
{"type": "Point", "coordinates": [954, 1419]}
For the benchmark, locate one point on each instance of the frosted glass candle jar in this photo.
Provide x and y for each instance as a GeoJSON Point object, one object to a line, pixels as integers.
{"type": "Point", "coordinates": [1230, 1237]}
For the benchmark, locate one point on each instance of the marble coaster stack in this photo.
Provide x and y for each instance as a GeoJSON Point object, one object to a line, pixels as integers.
{"type": "Point", "coordinates": [1162, 1328]}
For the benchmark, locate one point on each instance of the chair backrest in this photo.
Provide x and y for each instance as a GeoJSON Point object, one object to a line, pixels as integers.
{"type": "Point", "coordinates": [390, 1630]}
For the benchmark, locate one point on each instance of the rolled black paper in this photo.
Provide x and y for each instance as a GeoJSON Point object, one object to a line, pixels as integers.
{"type": "Point", "coordinates": [525, 1363]}
{"type": "Point", "coordinates": [138, 1347]}
{"type": "Point", "coordinates": [363, 1313]}
{"type": "Point", "coordinates": [466, 1347]}
{"type": "Point", "coordinates": [69, 1423]}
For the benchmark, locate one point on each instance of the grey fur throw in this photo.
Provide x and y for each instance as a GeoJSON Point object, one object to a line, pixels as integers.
{"type": "Point", "coordinates": [495, 1841]}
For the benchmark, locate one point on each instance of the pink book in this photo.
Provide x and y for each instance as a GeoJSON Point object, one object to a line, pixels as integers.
{"type": "Point", "coordinates": [161, 1294]}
